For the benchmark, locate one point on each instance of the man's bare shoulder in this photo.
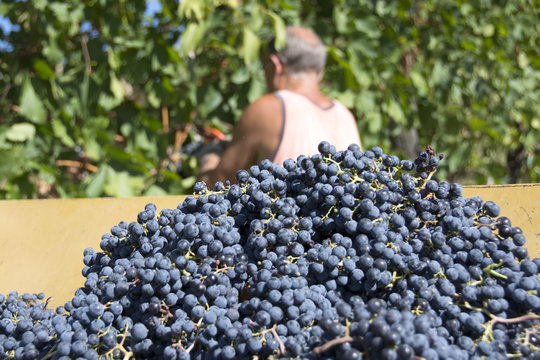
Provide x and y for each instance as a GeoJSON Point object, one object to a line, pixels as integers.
{"type": "Point", "coordinates": [266, 107]}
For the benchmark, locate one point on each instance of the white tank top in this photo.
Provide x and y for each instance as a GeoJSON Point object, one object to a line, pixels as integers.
{"type": "Point", "coordinates": [305, 125]}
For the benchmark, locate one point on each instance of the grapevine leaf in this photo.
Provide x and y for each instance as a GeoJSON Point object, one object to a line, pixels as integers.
{"type": "Point", "coordinates": [21, 132]}
{"type": "Point", "coordinates": [31, 106]}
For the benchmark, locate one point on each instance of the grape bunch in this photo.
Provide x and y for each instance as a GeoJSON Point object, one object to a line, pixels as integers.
{"type": "Point", "coordinates": [349, 254]}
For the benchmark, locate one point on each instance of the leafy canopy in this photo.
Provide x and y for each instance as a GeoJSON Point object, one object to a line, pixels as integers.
{"type": "Point", "coordinates": [98, 98]}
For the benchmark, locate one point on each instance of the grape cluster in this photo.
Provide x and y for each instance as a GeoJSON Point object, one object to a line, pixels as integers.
{"type": "Point", "coordinates": [353, 254]}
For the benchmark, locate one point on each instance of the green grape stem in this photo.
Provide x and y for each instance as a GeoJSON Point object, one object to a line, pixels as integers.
{"type": "Point", "coordinates": [51, 353]}
{"type": "Point", "coordinates": [127, 354]}
{"type": "Point", "coordinates": [489, 270]}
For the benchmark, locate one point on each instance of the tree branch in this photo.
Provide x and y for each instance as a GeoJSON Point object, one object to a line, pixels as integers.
{"type": "Point", "coordinates": [86, 54]}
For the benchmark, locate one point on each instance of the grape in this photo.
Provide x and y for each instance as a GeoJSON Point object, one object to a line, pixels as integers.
{"type": "Point", "coordinates": [341, 254]}
{"type": "Point", "coordinates": [139, 332]}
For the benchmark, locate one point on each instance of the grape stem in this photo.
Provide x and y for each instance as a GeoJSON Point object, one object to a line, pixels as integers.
{"type": "Point", "coordinates": [127, 354]}
{"type": "Point", "coordinates": [328, 159]}
{"type": "Point", "coordinates": [51, 353]}
{"type": "Point", "coordinates": [495, 319]}
{"type": "Point", "coordinates": [47, 302]}
{"type": "Point", "coordinates": [518, 319]}
{"type": "Point", "coordinates": [430, 175]}
{"type": "Point", "coordinates": [190, 347]}
{"type": "Point", "coordinates": [467, 305]}
{"type": "Point", "coordinates": [281, 346]}
{"type": "Point", "coordinates": [489, 270]}
{"type": "Point", "coordinates": [273, 331]}
{"type": "Point", "coordinates": [344, 339]}
{"type": "Point", "coordinates": [478, 225]}
{"type": "Point", "coordinates": [165, 312]}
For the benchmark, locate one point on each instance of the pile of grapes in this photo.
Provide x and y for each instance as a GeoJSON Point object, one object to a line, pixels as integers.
{"type": "Point", "coordinates": [349, 254]}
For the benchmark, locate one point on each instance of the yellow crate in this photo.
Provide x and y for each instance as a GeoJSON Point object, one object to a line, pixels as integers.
{"type": "Point", "coordinates": [42, 241]}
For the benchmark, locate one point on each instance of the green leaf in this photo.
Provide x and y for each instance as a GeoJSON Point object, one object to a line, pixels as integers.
{"type": "Point", "coordinates": [256, 89]}
{"type": "Point", "coordinates": [256, 21]}
{"type": "Point", "coordinates": [43, 70]}
{"type": "Point", "coordinates": [340, 20]}
{"type": "Point", "coordinates": [173, 55]}
{"type": "Point", "coordinates": [121, 184]}
{"type": "Point", "coordinates": [374, 121]}
{"type": "Point", "coordinates": [362, 77]}
{"type": "Point", "coordinates": [53, 53]}
{"type": "Point", "coordinates": [97, 184]}
{"type": "Point", "coordinates": [439, 74]}
{"type": "Point", "coordinates": [357, 66]}
{"type": "Point", "coordinates": [240, 76]}
{"type": "Point", "coordinates": [535, 123]}
{"type": "Point", "coordinates": [366, 102]}
{"type": "Point", "coordinates": [488, 30]}
{"type": "Point", "coordinates": [60, 10]}
{"type": "Point", "coordinates": [4, 8]}
{"type": "Point", "coordinates": [112, 58]}
{"type": "Point", "coordinates": [347, 98]}
{"type": "Point", "coordinates": [523, 61]}
{"type": "Point", "coordinates": [502, 30]}
{"type": "Point", "coordinates": [21, 132]}
{"type": "Point", "coordinates": [169, 175]}
{"type": "Point", "coordinates": [166, 84]}
{"type": "Point", "coordinates": [153, 99]}
{"type": "Point", "coordinates": [142, 142]}
{"type": "Point", "coordinates": [530, 141]}
{"type": "Point", "coordinates": [419, 83]}
{"type": "Point", "coordinates": [191, 9]}
{"type": "Point", "coordinates": [118, 154]}
{"type": "Point", "coordinates": [93, 149]}
{"type": "Point", "coordinates": [31, 106]}
{"type": "Point", "coordinates": [286, 5]}
{"type": "Point", "coordinates": [250, 45]}
{"type": "Point", "coordinates": [468, 45]}
{"type": "Point", "coordinates": [47, 174]}
{"type": "Point", "coordinates": [188, 182]}
{"type": "Point", "coordinates": [368, 26]}
{"type": "Point", "coordinates": [279, 29]}
{"type": "Point", "coordinates": [191, 37]}
{"type": "Point", "coordinates": [477, 123]}
{"type": "Point", "coordinates": [107, 102]}
{"type": "Point", "coordinates": [126, 129]}
{"type": "Point", "coordinates": [155, 190]}
{"type": "Point", "coordinates": [133, 43]}
{"type": "Point", "coordinates": [393, 109]}
{"type": "Point", "coordinates": [212, 98]}
{"type": "Point", "coordinates": [116, 87]}
{"type": "Point", "coordinates": [61, 132]}
{"type": "Point", "coordinates": [14, 163]}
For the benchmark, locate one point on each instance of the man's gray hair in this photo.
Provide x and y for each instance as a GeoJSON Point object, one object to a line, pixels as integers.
{"type": "Point", "coordinates": [303, 51]}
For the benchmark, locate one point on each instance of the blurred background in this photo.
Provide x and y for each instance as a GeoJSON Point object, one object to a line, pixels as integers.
{"type": "Point", "coordinates": [116, 98]}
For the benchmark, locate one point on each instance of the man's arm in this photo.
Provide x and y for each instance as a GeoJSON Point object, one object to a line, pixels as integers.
{"type": "Point", "coordinates": [255, 138]}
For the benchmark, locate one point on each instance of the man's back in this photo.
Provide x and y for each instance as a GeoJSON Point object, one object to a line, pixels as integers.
{"type": "Point", "coordinates": [305, 123]}
{"type": "Point", "coordinates": [293, 117]}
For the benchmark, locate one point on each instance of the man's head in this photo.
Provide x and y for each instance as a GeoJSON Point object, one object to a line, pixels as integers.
{"type": "Point", "coordinates": [304, 53]}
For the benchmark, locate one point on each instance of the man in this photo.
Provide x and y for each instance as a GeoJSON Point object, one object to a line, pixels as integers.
{"type": "Point", "coordinates": [293, 117]}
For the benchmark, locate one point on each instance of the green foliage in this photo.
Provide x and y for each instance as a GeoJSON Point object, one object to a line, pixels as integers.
{"type": "Point", "coordinates": [97, 97]}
